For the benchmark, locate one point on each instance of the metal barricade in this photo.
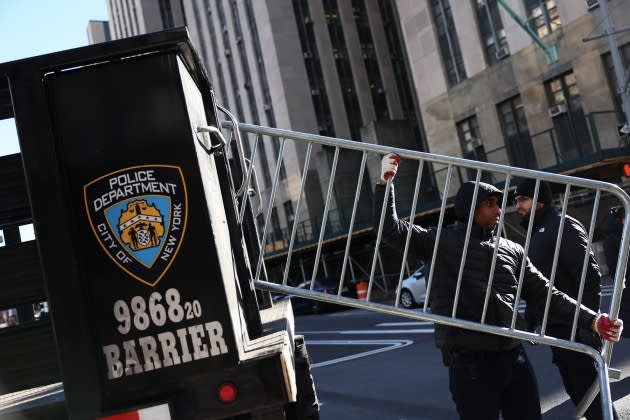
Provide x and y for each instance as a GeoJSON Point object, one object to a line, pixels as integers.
{"type": "Point", "coordinates": [450, 168]}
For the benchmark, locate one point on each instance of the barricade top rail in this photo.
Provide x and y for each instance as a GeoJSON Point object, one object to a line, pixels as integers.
{"type": "Point", "coordinates": [304, 156]}
{"type": "Point", "coordinates": [428, 157]}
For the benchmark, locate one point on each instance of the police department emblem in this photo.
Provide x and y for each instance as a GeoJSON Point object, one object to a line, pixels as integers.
{"type": "Point", "coordinates": [139, 217]}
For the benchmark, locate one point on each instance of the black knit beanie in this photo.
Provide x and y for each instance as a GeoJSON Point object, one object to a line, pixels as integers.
{"type": "Point", "coordinates": [527, 187]}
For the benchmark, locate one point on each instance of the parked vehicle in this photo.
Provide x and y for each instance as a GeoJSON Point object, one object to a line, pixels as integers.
{"type": "Point", "coordinates": [414, 289]}
{"type": "Point", "coordinates": [310, 306]}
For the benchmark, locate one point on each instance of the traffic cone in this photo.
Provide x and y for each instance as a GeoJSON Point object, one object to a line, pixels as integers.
{"type": "Point", "coordinates": [362, 289]}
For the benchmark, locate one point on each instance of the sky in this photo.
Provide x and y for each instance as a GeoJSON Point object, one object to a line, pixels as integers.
{"type": "Point", "coordinates": [35, 27]}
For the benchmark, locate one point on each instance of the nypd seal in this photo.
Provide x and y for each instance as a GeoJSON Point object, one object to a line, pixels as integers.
{"type": "Point", "coordinates": [138, 216]}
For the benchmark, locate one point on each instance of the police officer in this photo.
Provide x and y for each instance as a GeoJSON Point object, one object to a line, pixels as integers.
{"type": "Point", "coordinates": [489, 375]}
{"type": "Point", "coordinates": [616, 219]}
{"type": "Point", "coordinates": [577, 370]}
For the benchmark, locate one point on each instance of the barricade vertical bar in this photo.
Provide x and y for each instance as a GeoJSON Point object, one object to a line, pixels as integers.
{"type": "Point", "coordinates": [619, 281]}
{"type": "Point", "coordinates": [528, 237]}
{"type": "Point", "coordinates": [495, 252]}
{"type": "Point", "coordinates": [379, 235]}
{"type": "Point", "coordinates": [307, 161]}
{"type": "Point", "coordinates": [248, 178]}
{"type": "Point", "coordinates": [604, 388]}
{"type": "Point", "coordinates": [383, 276]}
{"type": "Point", "coordinates": [447, 186]}
{"type": "Point", "coordinates": [588, 398]}
{"type": "Point", "coordinates": [601, 383]}
{"type": "Point", "coordinates": [462, 264]}
{"type": "Point", "coordinates": [411, 219]}
{"type": "Point", "coordinates": [585, 264]}
{"type": "Point", "coordinates": [354, 212]}
{"type": "Point", "coordinates": [272, 197]}
{"type": "Point", "coordinates": [239, 146]}
{"type": "Point", "coordinates": [231, 180]}
{"type": "Point", "coordinates": [519, 288]}
{"type": "Point", "coordinates": [302, 268]}
{"type": "Point", "coordinates": [554, 266]}
{"type": "Point", "coordinates": [322, 231]}
{"type": "Point", "coordinates": [352, 270]}
{"type": "Point", "coordinates": [622, 262]}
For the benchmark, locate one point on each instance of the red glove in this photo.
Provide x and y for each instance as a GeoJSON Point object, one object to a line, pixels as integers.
{"type": "Point", "coordinates": [389, 166]}
{"type": "Point", "coordinates": [608, 329]}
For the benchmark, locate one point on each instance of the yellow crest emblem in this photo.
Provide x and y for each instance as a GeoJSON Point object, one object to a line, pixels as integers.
{"type": "Point", "coordinates": [141, 225]}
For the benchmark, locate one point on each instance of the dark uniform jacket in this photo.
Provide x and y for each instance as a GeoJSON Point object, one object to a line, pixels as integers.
{"type": "Point", "coordinates": [570, 260]}
{"type": "Point", "coordinates": [481, 246]}
{"type": "Point", "coordinates": [611, 250]}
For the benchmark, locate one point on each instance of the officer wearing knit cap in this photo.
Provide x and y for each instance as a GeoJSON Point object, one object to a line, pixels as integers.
{"type": "Point", "coordinates": [578, 370]}
{"type": "Point", "coordinates": [524, 193]}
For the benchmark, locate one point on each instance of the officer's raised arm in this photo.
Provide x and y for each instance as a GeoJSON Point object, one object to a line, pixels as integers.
{"type": "Point", "coordinates": [394, 229]}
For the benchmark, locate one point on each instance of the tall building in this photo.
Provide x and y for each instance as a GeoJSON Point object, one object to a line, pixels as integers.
{"type": "Point", "coordinates": [492, 89]}
{"type": "Point", "coordinates": [98, 31]}
{"type": "Point", "coordinates": [328, 67]}
{"type": "Point", "coordinates": [510, 82]}
{"type": "Point", "coordinates": [136, 17]}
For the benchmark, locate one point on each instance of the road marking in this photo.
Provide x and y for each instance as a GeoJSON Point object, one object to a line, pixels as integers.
{"type": "Point", "coordinates": [391, 345]}
{"type": "Point", "coordinates": [350, 332]}
{"type": "Point", "coordinates": [394, 324]}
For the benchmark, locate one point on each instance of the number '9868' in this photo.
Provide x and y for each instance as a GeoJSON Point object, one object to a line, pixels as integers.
{"type": "Point", "coordinates": [160, 309]}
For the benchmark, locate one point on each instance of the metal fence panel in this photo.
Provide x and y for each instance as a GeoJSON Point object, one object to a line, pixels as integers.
{"type": "Point", "coordinates": [310, 152]}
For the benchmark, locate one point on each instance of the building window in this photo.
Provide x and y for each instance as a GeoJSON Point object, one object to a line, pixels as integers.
{"type": "Point", "coordinates": [468, 132]}
{"type": "Point", "coordinates": [369, 59]}
{"type": "Point", "coordinates": [313, 68]}
{"type": "Point", "coordinates": [472, 147]}
{"type": "Point", "coordinates": [344, 71]}
{"type": "Point", "coordinates": [393, 33]}
{"type": "Point", "coordinates": [624, 51]}
{"type": "Point", "coordinates": [516, 134]}
{"type": "Point", "coordinates": [288, 212]}
{"type": "Point", "coordinates": [491, 30]}
{"type": "Point", "coordinates": [260, 224]}
{"type": "Point", "coordinates": [167, 14]}
{"type": "Point", "coordinates": [448, 42]}
{"type": "Point", "coordinates": [199, 18]}
{"type": "Point", "coordinates": [246, 75]}
{"type": "Point", "coordinates": [543, 16]}
{"type": "Point", "coordinates": [276, 231]}
{"type": "Point", "coordinates": [218, 63]}
{"type": "Point", "coordinates": [569, 123]}
{"type": "Point", "coordinates": [231, 68]}
{"type": "Point", "coordinates": [262, 75]}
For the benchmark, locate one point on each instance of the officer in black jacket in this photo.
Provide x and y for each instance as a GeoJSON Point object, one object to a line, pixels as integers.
{"type": "Point", "coordinates": [577, 369]}
{"type": "Point", "coordinates": [489, 374]}
{"type": "Point", "coordinates": [616, 220]}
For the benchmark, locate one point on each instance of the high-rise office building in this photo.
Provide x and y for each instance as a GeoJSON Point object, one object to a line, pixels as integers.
{"type": "Point", "coordinates": [514, 82]}
{"type": "Point", "coordinates": [136, 17]}
{"type": "Point", "coordinates": [98, 31]}
{"type": "Point", "coordinates": [328, 67]}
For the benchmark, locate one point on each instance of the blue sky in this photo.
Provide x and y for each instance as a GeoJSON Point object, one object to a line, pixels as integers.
{"type": "Point", "coordinates": [35, 27]}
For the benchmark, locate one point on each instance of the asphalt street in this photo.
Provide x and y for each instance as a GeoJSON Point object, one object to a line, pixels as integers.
{"type": "Point", "coordinates": [374, 366]}
{"type": "Point", "coordinates": [369, 365]}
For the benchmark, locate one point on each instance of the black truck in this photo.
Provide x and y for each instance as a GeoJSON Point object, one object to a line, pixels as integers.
{"type": "Point", "coordinates": [139, 251]}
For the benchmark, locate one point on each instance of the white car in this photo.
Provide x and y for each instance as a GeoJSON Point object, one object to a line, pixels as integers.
{"type": "Point", "coordinates": [414, 289]}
